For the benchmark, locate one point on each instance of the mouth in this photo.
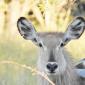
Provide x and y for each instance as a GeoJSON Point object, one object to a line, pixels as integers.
{"type": "Point", "coordinates": [51, 73]}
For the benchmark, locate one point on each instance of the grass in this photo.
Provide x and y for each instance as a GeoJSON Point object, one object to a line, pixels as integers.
{"type": "Point", "coordinates": [21, 52]}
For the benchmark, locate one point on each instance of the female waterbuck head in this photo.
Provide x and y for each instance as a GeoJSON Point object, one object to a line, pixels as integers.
{"type": "Point", "coordinates": [53, 60]}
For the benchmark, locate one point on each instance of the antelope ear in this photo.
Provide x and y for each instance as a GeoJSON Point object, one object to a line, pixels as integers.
{"type": "Point", "coordinates": [74, 30]}
{"type": "Point", "coordinates": [27, 30]}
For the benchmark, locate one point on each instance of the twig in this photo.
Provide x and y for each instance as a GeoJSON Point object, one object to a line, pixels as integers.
{"type": "Point", "coordinates": [28, 68]}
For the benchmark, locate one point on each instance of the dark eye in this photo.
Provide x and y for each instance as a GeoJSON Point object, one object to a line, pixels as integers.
{"type": "Point", "coordinates": [40, 44]}
{"type": "Point", "coordinates": [35, 39]}
{"type": "Point", "coordinates": [62, 44]}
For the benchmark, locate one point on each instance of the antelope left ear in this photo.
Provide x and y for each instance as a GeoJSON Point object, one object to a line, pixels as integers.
{"type": "Point", "coordinates": [28, 32]}
{"type": "Point", "coordinates": [74, 30]}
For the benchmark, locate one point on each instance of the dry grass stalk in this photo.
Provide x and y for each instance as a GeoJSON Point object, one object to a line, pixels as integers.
{"type": "Point", "coordinates": [28, 68]}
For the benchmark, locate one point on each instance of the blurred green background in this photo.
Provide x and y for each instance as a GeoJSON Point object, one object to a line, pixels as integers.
{"type": "Point", "coordinates": [46, 15]}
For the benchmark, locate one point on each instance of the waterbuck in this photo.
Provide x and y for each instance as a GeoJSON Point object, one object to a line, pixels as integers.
{"type": "Point", "coordinates": [54, 60]}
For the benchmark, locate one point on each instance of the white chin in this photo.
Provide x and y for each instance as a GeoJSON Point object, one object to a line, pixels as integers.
{"type": "Point", "coordinates": [54, 73]}
{"type": "Point", "coordinates": [57, 72]}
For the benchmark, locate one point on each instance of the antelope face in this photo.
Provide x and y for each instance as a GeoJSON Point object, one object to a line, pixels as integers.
{"type": "Point", "coordinates": [52, 58]}
{"type": "Point", "coordinates": [51, 55]}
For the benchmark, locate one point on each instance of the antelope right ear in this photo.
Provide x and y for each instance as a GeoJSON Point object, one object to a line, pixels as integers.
{"type": "Point", "coordinates": [27, 30]}
{"type": "Point", "coordinates": [74, 30]}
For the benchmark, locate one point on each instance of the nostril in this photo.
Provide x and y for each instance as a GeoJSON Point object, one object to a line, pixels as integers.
{"type": "Point", "coordinates": [55, 66]}
{"type": "Point", "coordinates": [49, 66]}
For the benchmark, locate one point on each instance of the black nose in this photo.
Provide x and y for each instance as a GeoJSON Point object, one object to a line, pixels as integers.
{"type": "Point", "coordinates": [52, 66]}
